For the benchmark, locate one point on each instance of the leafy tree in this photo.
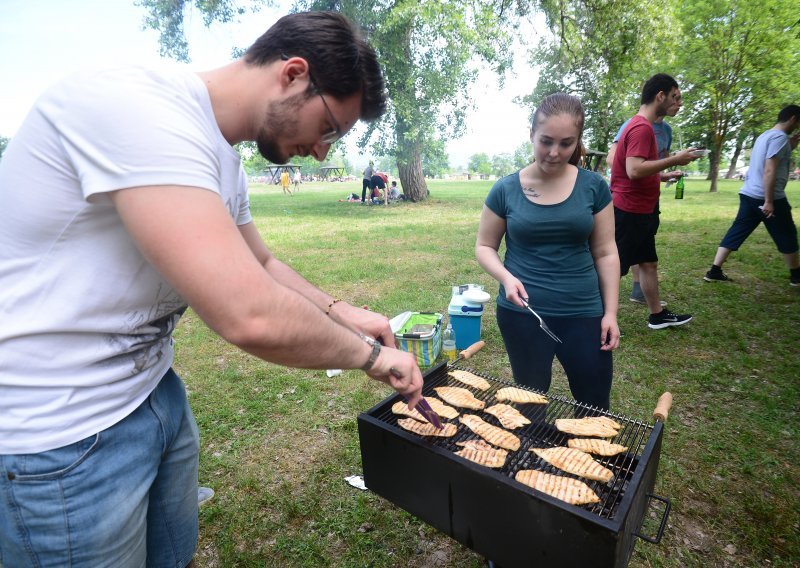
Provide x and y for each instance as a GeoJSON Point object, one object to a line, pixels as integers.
{"type": "Point", "coordinates": [167, 18]}
{"type": "Point", "coordinates": [480, 163]}
{"type": "Point", "coordinates": [523, 155]}
{"type": "Point", "coordinates": [435, 161]}
{"type": "Point", "coordinates": [426, 48]}
{"type": "Point", "coordinates": [601, 51]}
{"type": "Point", "coordinates": [739, 66]}
{"type": "Point", "coordinates": [3, 144]}
{"type": "Point", "coordinates": [502, 164]}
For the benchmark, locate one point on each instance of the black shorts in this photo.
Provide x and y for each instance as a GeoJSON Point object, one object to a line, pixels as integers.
{"type": "Point", "coordinates": [635, 234]}
{"type": "Point", "coordinates": [377, 181]}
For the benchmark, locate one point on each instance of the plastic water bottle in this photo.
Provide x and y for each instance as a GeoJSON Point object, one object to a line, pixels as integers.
{"type": "Point", "coordinates": [449, 343]}
{"type": "Point", "coordinates": [679, 188]}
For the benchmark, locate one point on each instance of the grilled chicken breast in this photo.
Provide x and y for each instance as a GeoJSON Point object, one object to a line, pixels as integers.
{"type": "Point", "coordinates": [459, 397]}
{"type": "Point", "coordinates": [597, 426]}
{"type": "Point", "coordinates": [401, 407]}
{"type": "Point", "coordinates": [567, 489]}
{"type": "Point", "coordinates": [441, 408]}
{"type": "Point", "coordinates": [492, 434]}
{"type": "Point", "coordinates": [478, 444]}
{"type": "Point", "coordinates": [489, 458]}
{"type": "Point", "coordinates": [574, 461]}
{"type": "Point", "coordinates": [425, 429]}
{"type": "Point", "coordinates": [508, 416]}
{"type": "Point", "coordinates": [596, 446]}
{"type": "Point", "coordinates": [470, 379]}
{"type": "Point", "coordinates": [513, 394]}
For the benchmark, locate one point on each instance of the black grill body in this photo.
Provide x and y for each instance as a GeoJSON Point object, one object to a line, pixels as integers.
{"type": "Point", "coordinates": [489, 511]}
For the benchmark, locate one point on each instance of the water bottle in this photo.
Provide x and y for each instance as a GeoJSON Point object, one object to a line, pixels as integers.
{"type": "Point", "coordinates": [679, 188]}
{"type": "Point", "coordinates": [449, 343]}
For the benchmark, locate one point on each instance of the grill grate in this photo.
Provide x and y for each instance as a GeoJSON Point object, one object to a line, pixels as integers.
{"type": "Point", "coordinates": [540, 433]}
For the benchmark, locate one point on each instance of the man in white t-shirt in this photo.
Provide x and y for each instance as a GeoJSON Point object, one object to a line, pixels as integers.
{"type": "Point", "coordinates": [122, 202]}
{"type": "Point", "coordinates": [762, 198]}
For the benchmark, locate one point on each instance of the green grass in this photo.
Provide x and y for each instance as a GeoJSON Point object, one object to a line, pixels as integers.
{"type": "Point", "coordinates": [277, 443]}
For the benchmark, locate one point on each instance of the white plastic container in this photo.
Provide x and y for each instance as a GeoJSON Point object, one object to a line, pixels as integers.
{"type": "Point", "coordinates": [465, 311]}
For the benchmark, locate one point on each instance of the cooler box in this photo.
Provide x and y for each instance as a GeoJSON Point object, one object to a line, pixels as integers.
{"type": "Point", "coordinates": [465, 311]}
{"type": "Point", "coordinates": [419, 333]}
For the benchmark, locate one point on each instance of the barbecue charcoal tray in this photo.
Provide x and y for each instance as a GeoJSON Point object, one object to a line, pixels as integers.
{"type": "Point", "coordinates": [489, 511]}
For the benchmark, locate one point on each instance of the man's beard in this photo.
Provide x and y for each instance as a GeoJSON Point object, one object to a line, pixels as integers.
{"type": "Point", "coordinates": [280, 122]}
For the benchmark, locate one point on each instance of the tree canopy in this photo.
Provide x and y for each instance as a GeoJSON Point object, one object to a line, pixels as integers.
{"type": "Point", "coordinates": [736, 62]}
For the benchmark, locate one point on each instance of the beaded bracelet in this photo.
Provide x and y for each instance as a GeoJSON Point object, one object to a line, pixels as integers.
{"type": "Point", "coordinates": [328, 309]}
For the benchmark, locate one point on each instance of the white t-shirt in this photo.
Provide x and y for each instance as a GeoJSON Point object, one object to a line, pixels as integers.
{"type": "Point", "coordinates": [85, 320]}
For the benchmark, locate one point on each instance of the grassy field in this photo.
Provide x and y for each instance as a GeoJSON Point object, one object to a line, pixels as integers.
{"type": "Point", "coordinates": [277, 443]}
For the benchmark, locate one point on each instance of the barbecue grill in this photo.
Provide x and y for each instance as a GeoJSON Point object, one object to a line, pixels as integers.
{"type": "Point", "coordinates": [489, 511]}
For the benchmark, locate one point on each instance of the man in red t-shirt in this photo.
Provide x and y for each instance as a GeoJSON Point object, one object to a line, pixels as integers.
{"type": "Point", "coordinates": [635, 186]}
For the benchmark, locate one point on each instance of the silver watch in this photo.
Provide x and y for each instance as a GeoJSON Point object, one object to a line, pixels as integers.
{"type": "Point", "coordinates": [373, 356]}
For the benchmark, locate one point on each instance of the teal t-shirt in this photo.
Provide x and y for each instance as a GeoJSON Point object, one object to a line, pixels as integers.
{"type": "Point", "coordinates": [547, 246]}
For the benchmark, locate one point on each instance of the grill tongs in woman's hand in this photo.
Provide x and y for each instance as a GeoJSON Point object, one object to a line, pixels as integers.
{"type": "Point", "coordinates": [541, 322]}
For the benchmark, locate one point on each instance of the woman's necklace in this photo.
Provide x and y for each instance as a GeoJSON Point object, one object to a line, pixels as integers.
{"type": "Point", "coordinates": [531, 191]}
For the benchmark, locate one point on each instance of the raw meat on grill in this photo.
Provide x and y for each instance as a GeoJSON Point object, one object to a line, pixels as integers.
{"type": "Point", "coordinates": [573, 491]}
{"type": "Point", "coordinates": [513, 394]}
{"type": "Point", "coordinates": [426, 429]}
{"type": "Point", "coordinates": [589, 426]}
{"type": "Point", "coordinates": [459, 397]}
{"type": "Point", "coordinates": [470, 379]}
{"type": "Point", "coordinates": [489, 458]}
{"type": "Point", "coordinates": [575, 462]}
{"type": "Point", "coordinates": [508, 416]}
{"type": "Point", "coordinates": [441, 408]}
{"type": "Point", "coordinates": [596, 446]}
{"type": "Point", "coordinates": [491, 434]}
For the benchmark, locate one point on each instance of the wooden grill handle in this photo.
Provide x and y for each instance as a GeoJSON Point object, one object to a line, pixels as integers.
{"type": "Point", "coordinates": [662, 408]}
{"type": "Point", "coordinates": [471, 350]}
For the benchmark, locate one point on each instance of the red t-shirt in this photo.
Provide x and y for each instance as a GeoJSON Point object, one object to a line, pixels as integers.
{"type": "Point", "coordinates": [635, 195]}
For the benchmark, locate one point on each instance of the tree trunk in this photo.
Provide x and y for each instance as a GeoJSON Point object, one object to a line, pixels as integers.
{"type": "Point", "coordinates": [713, 173]}
{"type": "Point", "coordinates": [411, 177]}
{"type": "Point", "coordinates": [735, 157]}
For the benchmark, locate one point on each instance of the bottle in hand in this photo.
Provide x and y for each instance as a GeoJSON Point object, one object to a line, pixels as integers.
{"type": "Point", "coordinates": [449, 343]}
{"type": "Point", "coordinates": [679, 188]}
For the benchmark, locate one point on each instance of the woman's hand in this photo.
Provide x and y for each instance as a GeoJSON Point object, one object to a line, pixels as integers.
{"type": "Point", "coordinates": [515, 291]}
{"type": "Point", "coordinates": [609, 333]}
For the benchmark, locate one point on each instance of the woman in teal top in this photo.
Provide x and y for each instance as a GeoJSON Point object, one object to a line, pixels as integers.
{"type": "Point", "coordinates": [561, 257]}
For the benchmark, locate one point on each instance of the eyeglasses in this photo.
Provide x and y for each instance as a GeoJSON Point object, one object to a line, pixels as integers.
{"type": "Point", "coordinates": [334, 133]}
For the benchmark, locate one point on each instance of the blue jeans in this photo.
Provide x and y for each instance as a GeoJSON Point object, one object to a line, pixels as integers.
{"type": "Point", "coordinates": [126, 496]}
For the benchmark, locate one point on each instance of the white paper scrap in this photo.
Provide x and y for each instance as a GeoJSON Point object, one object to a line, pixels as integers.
{"type": "Point", "coordinates": [356, 481]}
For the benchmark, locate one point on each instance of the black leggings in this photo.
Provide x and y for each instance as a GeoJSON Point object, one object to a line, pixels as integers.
{"type": "Point", "coordinates": [366, 185]}
{"type": "Point", "coordinates": [530, 351]}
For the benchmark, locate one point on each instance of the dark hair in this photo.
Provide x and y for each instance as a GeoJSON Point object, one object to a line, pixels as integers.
{"type": "Point", "coordinates": [562, 103]}
{"type": "Point", "coordinates": [788, 112]}
{"type": "Point", "coordinates": [340, 60]}
{"type": "Point", "coordinates": [656, 84]}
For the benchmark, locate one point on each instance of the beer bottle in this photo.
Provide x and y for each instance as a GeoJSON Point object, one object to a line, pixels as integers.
{"type": "Point", "coordinates": [679, 188]}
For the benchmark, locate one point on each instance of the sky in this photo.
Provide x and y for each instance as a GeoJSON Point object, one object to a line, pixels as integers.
{"type": "Point", "coordinates": [42, 41]}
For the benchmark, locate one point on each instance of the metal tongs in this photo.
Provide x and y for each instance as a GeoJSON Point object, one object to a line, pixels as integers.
{"type": "Point", "coordinates": [541, 322]}
{"type": "Point", "coordinates": [422, 406]}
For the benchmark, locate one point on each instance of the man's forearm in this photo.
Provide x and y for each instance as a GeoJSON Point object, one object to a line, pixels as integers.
{"type": "Point", "coordinates": [768, 180]}
{"type": "Point", "coordinates": [287, 276]}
